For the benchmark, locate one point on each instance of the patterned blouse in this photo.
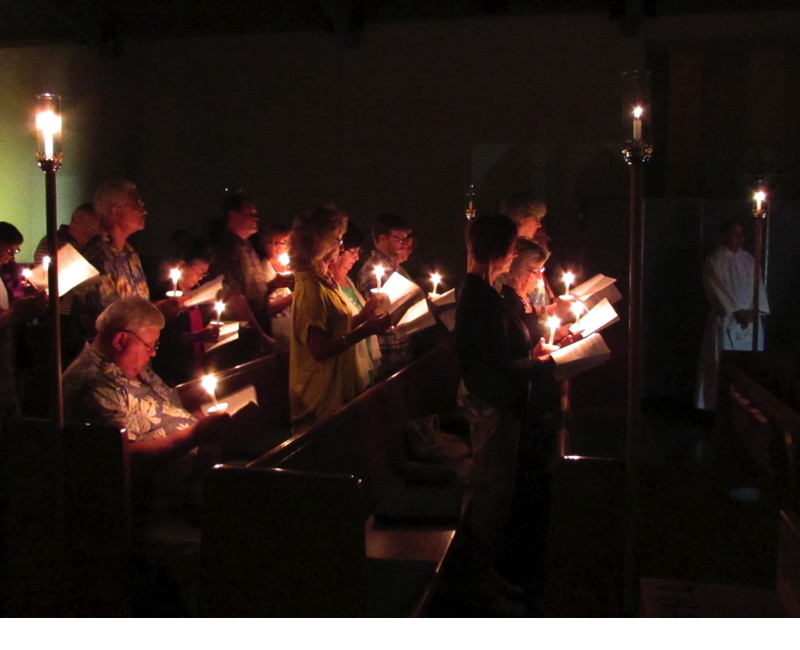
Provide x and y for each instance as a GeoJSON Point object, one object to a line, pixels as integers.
{"type": "Point", "coordinates": [97, 391]}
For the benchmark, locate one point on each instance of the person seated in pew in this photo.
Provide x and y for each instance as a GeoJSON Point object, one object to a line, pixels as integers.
{"type": "Point", "coordinates": [368, 351]}
{"type": "Point", "coordinates": [498, 364]}
{"type": "Point", "coordinates": [111, 383]}
{"type": "Point", "coordinates": [182, 354]}
{"type": "Point", "coordinates": [323, 374]}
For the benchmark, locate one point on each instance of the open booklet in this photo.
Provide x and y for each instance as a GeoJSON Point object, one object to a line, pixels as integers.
{"type": "Point", "coordinates": [595, 289]}
{"type": "Point", "coordinates": [73, 269]}
{"type": "Point", "coordinates": [233, 402]}
{"type": "Point", "coordinates": [580, 356]}
{"type": "Point", "coordinates": [204, 293]}
{"type": "Point", "coordinates": [597, 318]}
{"type": "Point", "coordinates": [228, 331]}
{"type": "Point", "coordinates": [398, 291]}
{"type": "Point", "coordinates": [425, 313]}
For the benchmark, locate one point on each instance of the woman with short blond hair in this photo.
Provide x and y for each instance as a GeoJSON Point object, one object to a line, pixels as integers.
{"type": "Point", "coordinates": [322, 367]}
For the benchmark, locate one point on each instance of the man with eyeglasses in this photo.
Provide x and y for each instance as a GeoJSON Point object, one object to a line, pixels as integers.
{"type": "Point", "coordinates": [121, 211]}
{"type": "Point", "coordinates": [111, 383]}
{"type": "Point", "coordinates": [392, 237]}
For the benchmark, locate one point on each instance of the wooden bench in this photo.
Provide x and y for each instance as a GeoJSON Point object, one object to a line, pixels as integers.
{"type": "Point", "coordinates": [757, 432]}
{"type": "Point", "coordinates": [295, 533]}
{"type": "Point", "coordinates": [270, 377]}
{"type": "Point", "coordinates": [64, 520]}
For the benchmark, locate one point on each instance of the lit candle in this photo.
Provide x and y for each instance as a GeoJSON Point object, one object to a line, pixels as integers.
{"type": "Point", "coordinates": [436, 278]}
{"type": "Point", "coordinates": [219, 307]}
{"type": "Point", "coordinates": [26, 273]}
{"type": "Point", "coordinates": [577, 309]}
{"type": "Point", "coordinates": [378, 271]}
{"type": "Point", "coordinates": [46, 263]}
{"type": "Point", "coordinates": [553, 322]}
{"type": "Point", "coordinates": [175, 275]}
{"type": "Point", "coordinates": [759, 198]}
{"type": "Point", "coordinates": [637, 122]}
{"type": "Point", "coordinates": [209, 384]}
{"type": "Point", "coordinates": [568, 278]}
{"type": "Point", "coordinates": [284, 259]}
{"type": "Point", "coordinates": [49, 124]}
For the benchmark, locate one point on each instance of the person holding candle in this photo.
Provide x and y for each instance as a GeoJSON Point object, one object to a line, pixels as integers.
{"type": "Point", "coordinates": [498, 364]}
{"type": "Point", "coordinates": [14, 310]}
{"type": "Point", "coordinates": [368, 351]}
{"type": "Point", "coordinates": [323, 374]}
{"type": "Point", "coordinates": [275, 261]}
{"type": "Point", "coordinates": [728, 285]}
{"type": "Point", "coordinates": [392, 240]}
{"type": "Point", "coordinates": [236, 259]}
{"type": "Point", "coordinates": [183, 357]}
{"type": "Point", "coordinates": [121, 211]}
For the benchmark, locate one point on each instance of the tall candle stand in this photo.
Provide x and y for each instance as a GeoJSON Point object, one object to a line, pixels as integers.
{"type": "Point", "coordinates": [760, 215]}
{"type": "Point", "coordinates": [49, 157]}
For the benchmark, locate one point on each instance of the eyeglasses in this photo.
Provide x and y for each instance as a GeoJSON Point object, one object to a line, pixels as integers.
{"type": "Point", "coordinates": [153, 348]}
{"type": "Point", "coordinates": [402, 240]}
{"type": "Point", "coordinates": [10, 250]}
{"type": "Point", "coordinates": [536, 269]}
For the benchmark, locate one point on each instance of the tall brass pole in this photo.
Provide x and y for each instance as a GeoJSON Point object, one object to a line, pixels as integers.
{"type": "Point", "coordinates": [56, 394]}
{"type": "Point", "coordinates": [634, 375]}
{"type": "Point", "coordinates": [761, 216]}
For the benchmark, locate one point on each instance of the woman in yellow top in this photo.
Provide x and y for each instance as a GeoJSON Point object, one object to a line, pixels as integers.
{"type": "Point", "coordinates": [322, 367]}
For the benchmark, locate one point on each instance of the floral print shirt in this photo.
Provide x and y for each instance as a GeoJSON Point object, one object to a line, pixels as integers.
{"type": "Point", "coordinates": [97, 391]}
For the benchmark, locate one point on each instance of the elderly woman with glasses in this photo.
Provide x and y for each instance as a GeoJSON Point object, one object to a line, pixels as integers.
{"type": "Point", "coordinates": [323, 374]}
{"type": "Point", "coordinates": [111, 383]}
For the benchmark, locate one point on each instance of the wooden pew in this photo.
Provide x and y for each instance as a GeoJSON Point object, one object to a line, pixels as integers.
{"type": "Point", "coordinates": [270, 377]}
{"type": "Point", "coordinates": [65, 520]}
{"type": "Point", "coordinates": [756, 430]}
{"type": "Point", "coordinates": [312, 499]}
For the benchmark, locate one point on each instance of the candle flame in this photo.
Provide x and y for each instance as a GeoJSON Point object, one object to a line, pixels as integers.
{"type": "Point", "coordinates": [568, 278]}
{"type": "Point", "coordinates": [760, 196]}
{"type": "Point", "coordinates": [436, 278]}
{"type": "Point", "coordinates": [209, 384]}
{"type": "Point", "coordinates": [284, 259]}
{"type": "Point", "coordinates": [637, 112]}
{"type": "Point", "coordinates": [48, 122]}
{"type": "Point", "coordinates": [553, 322]}
{"type": "Point", "coordinates": [379, 271]}
{"type": "Point", "coordinates": [219, 307]}
{"type": "Point", "coordinates": [175, 274]}
{"type": "Point", "coordinates": [577, 308]}
{"type": "Point", "coordinates": [46, 262]}
{"type": "Point", "coordinates": [27, 273]}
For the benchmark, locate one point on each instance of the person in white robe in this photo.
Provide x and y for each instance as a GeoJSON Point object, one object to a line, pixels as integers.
{"type": "Point", "coordinates": [728, 285]}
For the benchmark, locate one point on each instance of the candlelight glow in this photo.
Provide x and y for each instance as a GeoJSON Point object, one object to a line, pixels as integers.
{"type": "Point", "coordinates": [174, 275]}
{"type": "Point", "coordinates": [436, 278]}
{"type": "Point", "coordinates": [378, 270]}
{"type": "Point", "coordinates": [637, 112]}
{"type": "Point", "coordinates": [219, 307]}
{"type": "Point", "coordinates": [209, 384]}
{"type": "Point", "coordinates": [552, 323]}
{"type": "Point", "coordinates": [568, 278]}
{"type": "Point", "coordinates": [577, 308]}
{"type": "Point", "coordinates": [49, 124]}
{"type": "Point", "coordinates": [284, 259]}
{"type": "Point", "coordinates": [26, 273]}
{"type": "Point", "coordinates": [637, 122]}
{"type": "Point", "coordinates": [46, 262]}
{"type": "Point", "coordinates": [759, 197]}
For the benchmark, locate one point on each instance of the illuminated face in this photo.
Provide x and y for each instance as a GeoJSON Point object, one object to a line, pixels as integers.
{"type": "Point", "coordinates": [395, 243]}
{"type": "Point", "coordinates": [529, 226]}
{"type": "Point", "coordinates": [129, 215]}
{"type": "Point", "coordinates": [192, 274]}
{"type": "Point", "coordinates": [347, 258]}
{"type": "Point", "coordinates": [531, 276]}
{"type": "Point", "coordinates": [277, 245]}
{"type": "Point", "coordinates": [7, 252]}
{"type": "Point", "coordinates": [133, 350]}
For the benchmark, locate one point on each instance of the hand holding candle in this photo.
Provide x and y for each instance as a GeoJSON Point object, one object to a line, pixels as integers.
{"type": "Point", "coordinates": [552, 323]}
